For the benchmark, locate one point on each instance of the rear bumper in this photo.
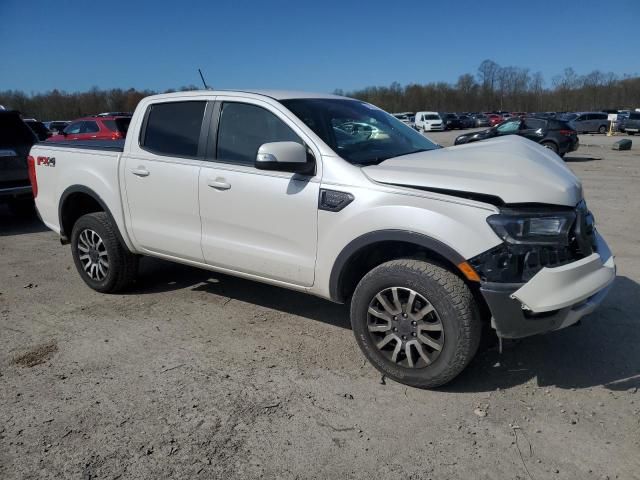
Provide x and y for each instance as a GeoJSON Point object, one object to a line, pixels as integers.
{"type": "Point", "coordinates": [554, 298]}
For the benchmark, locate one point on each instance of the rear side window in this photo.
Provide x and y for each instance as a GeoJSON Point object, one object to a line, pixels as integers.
{"type": "Point", "coordinates": [244, 128]}
{"type": "Point", "coordinates": [534, 123]}
{"type": "Point", "coordinates": [634, 116]}
{"type": "Point", "coordinates": [118, 125]}
{"type": "Point", "coordinates": [174, 128]}
{"type": "Point", "coordinates": [89, 127]}
{"type": "Point", "coordinates": [600, 116]}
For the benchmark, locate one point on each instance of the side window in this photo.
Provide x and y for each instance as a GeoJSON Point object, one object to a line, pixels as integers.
{"type": "Point", "coordinates": [534, 123]}
{"type": "Point", "coordinates": [634, 116]}
{"type": "Point", "coordinates": [509, 127]}
{"type": "Point", "coordinates": [243, 128]}
{"type": "Point", "coordinates": [601, 116]}
{"type": "Point", "coordinates": [173, 128]}
{"type": "Point", "coordinates": [89, 127]}
{"type": "Point", "coordinates": [581, 118]}
{"type": "Point", "coordinates": [74, 128]}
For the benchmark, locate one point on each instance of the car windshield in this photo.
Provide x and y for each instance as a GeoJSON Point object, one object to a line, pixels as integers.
{"type": "Point", "coordinates": [359, 132]}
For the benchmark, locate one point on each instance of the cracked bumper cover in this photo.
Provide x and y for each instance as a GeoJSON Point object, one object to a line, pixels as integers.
{"type": "Point", "coordinates": [554, 298]}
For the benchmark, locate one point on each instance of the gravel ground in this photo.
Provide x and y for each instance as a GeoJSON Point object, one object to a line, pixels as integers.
{"type": "Point", "coordinates": [200, 375]}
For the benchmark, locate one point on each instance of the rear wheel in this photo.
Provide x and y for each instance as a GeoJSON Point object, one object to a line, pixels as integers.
{"type": "Point", "coordinates": [551, 146]}
{"type": "Point", "coordinates": [416, 322]}
{"type": "Point", "coordinates": [102, 261]}
{"type": "Point", "coordinates": [602, 129]}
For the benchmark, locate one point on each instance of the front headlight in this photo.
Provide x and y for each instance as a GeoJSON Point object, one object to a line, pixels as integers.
{"type": "Point", "coordinates": [533, 228]}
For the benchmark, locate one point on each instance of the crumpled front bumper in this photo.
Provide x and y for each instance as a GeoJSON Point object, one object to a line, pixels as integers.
{"type": "Point", "coordinates": [554, 298]}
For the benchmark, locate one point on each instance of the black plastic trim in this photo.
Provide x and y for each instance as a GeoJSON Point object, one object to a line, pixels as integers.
{"type": "Point", "coordinates": [64, 236]}
{"type": "Point", "coordinates": [105, 145]}
{"type": "Point", "coordinates": [510, 320]}
{"type": "Point", "coordinates": [335, 280]}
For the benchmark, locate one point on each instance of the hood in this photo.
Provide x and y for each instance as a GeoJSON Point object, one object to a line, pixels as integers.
{"type": "Point", "coordinates": [512, 168]}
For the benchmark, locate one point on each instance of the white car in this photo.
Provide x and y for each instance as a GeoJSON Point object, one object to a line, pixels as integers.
{"type": "Point", "coordinates": [427, 245]}
{"type": "Point", "coordinates": [429, 122]}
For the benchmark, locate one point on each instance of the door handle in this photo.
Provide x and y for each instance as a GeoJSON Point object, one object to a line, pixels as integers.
{"type": "Point", "coordinates": [218, 184]}
{"type": "Point", "coordinates": [140, 172]}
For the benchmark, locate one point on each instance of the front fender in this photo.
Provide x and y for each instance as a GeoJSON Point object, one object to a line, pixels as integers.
{"type": "Point", "coordinates": [456, 230]}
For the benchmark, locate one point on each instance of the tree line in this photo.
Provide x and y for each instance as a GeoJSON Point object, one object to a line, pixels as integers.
{"type": "Point", "coordinates": [509, 88]}
{"type": "Point", "coordinates": [492, 87]}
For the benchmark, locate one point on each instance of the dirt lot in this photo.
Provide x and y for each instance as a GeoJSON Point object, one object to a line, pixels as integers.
{"type": "Point", "coordinates": [199, 375]}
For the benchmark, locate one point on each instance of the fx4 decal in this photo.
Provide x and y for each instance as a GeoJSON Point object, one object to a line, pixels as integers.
{"type": "Point", "coordinates": [45, 161]}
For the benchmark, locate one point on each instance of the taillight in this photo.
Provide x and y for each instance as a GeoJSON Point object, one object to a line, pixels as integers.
{"type": "Point", "coordinates": [567, 133]}
{"type": "Point", "coordinates": [31, 165]}
{"type": "Point", "coordinates": [116, 136]}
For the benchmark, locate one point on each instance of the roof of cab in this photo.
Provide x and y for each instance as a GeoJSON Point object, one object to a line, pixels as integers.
{"type": "Point", "coordinates": [275, 94]}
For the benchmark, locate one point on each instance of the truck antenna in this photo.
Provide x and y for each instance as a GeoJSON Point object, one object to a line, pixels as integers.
{"type": "Point", "coordinates": [202, 77]}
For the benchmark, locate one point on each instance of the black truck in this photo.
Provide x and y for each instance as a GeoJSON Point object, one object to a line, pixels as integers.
{"type": "Point", "coordinates": [16, 139]}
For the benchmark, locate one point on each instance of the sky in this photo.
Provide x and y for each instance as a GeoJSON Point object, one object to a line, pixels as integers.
{"type": "Point", "coordinates": [314, 46]}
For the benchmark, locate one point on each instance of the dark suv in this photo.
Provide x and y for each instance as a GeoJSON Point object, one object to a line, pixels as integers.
{"type": "Point", "coordinates": [16, 139]}
{"type": "Point", "coordinates": [557, 135]}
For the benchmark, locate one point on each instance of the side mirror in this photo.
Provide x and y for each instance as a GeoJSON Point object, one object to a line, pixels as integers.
{"type": "Point", "coordinates": [63, 133]}
{"type": "Point", "coordinates": [285, 157]}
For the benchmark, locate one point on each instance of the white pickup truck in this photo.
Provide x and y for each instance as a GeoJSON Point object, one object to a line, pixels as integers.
{"type": "Point", "coordinates": [334, 197]}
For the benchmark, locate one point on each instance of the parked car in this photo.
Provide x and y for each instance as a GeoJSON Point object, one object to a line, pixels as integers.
{"type": "Point", "coordinates": [587, 122]}
{"type": "Point", "coordinates": [429, 245]}
{"type": "Point", "coordinates": [94, 128]}
{"type": "Point", "coordinates": [56, 126]}
{"type": "Point", "coordinates": [451, 121]}
{"type": "Point", "coordinates": [429, 121]}
{"type": "Point", "coordinates": [632, 124]}
{"type": "Point", "coordinates": [39, 128]}
{"type": "Point", "coordinates": [494, 119]}
{"type": "Point", "coordinates": [16, 138]}
{"type": "Point", "coordinates": [556, 135]}
{"type": "Point", "coordinates": [465, 121]}
{"type": "Point", "coordinates": [481, 120]}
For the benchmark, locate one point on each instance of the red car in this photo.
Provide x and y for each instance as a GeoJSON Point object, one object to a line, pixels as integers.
{"type": "Point", "coordinates": [94, 128]}
{"type": "Point", "coordinates": [495, 119]}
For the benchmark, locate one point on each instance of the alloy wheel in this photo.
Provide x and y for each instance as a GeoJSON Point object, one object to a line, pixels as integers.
{"type": "Point", "coordinates": [405, 327]}
{"type": "Point", "coordinates": [93, 255]}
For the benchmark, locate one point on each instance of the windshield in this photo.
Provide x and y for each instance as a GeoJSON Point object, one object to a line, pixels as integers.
{"type": "Point", "coordinates": [359, 132]}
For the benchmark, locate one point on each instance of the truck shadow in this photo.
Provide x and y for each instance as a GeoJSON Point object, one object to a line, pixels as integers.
{"type": "Point", "coordinates": [602, 350]}
{"type": "Point", "coordinates": [157, 276]}
{"type": "Point", "coordinates": [15, 225]}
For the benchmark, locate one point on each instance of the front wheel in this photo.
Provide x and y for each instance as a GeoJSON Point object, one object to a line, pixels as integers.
{"type": "Point", "coordinates": [102, 261]}
{"type": "Point", "coordinates": [416, 322]}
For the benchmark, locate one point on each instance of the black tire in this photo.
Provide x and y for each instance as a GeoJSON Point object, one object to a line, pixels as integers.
{"type": "Point", "coordinates": [631, 133]}
{"type": "Point", "coordinates": [602, 129]}
{"type": "Point", "coordinates": [22, 207]}
{"type": "Point", "coordinates": [456, 311]}
{"type": "Point", "coordinates": [551, 146]}
{"type": "Point", "coordinates": [122, 264]}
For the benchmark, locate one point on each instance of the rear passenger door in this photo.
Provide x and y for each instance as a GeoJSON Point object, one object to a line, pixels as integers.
{"type": "Point", "coordinates": [257, 222]}
{"type": "Point", "coordinates": [161, 179]}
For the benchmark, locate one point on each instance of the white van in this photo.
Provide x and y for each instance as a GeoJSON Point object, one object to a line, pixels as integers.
{"type": "Point", "coordinates": [429, 121]}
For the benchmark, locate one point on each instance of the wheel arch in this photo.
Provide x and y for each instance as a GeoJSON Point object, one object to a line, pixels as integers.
{"type": "Point", "coordinates": [78, 200]}
{"type": "Point", "coordinates": [373, 248]}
